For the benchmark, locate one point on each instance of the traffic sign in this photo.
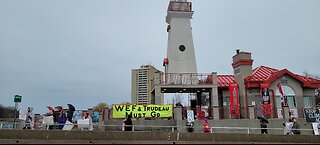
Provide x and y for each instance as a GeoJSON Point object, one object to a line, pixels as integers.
{"type": "Point", "coordinates": [17, 99]}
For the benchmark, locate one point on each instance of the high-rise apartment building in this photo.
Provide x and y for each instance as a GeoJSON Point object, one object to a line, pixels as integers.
{"type": "Point", "coordinates": [141, 84]}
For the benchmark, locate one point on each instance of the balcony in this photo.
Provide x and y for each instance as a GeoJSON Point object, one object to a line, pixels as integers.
{"type": "Point", "coordinates": [186, 79]}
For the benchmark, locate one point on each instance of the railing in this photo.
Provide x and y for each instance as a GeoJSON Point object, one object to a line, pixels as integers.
{"type": "Point", "coordinates": [199, 114]}
{"type": "Point", "coordinates": [180, 6]}
{"type": "Point", "coordinates": [186, 79]}
{"type": "Point", "coordinates": [239, 130]}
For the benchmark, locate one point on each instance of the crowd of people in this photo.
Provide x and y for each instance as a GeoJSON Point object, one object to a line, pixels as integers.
{"type": "Point", "coordinates": [56, 119]}
{"type": "Point", "coordinates": [60, 118]}
{"type": "Point", "coordinates": [290, 127]}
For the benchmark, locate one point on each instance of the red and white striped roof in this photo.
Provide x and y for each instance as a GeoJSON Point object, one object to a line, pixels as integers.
{"type": "Point", "coordinates": [225, 80]}
{"type": "Point", "coordinates": [264, 74]}
{"type": "Point", "coordinates": [261, 74]}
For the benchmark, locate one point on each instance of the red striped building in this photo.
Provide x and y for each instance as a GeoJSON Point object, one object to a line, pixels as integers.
{"type": "Point", "coordinates": [299, 91]}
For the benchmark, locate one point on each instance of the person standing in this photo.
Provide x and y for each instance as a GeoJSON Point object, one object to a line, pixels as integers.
{"type": "Point", "coordinates": [295, 127]}
{"type": "Point", "coordinates": [263, 125]}
{"type": "Point", "coordinates": [86, 115]}
{"type": "Point", "coordinates": [206, 126]}
{"type": "Point", "coordinates": [90, 121]}
{"type": "Point", "coordinates": [128, 123]}
{"type": "Point", "coordinates": [62, 119]}
{"type": "Point", "coordinates": [29, 119]}
{"type": "Point", "coordinates": [288, 127]}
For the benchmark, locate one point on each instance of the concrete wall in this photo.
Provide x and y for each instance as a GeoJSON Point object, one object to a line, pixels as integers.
{"type": "Point", "coordinates": [115, 125]}
{"type": "Point", "coordinates": [251, 123]}
{"type": "Point", "coordinates": [18, 136]}
{"type": "Point", "coordinates": [165, 125]}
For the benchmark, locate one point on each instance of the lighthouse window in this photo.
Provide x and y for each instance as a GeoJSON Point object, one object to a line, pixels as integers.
{"type": "Point", "coordinates": [182, 48]}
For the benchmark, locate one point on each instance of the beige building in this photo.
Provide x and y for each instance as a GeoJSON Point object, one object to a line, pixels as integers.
{"type": "Point", "coordinates": [142, 83]}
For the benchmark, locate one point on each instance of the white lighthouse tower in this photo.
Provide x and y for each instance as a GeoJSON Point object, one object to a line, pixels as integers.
{"type": "Point", "coordinates": [180, 51]}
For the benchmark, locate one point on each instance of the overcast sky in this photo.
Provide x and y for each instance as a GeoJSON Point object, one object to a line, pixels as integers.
{"type": "Point", "coordinates": [55, 52]}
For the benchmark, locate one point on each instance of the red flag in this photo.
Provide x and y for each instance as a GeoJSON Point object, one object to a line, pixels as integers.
{"type": "Point", "coordinates": [281, 92]}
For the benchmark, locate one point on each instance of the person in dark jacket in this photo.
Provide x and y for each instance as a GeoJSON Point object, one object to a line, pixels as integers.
{"type": "Point", "coordinates": [62, 119]}
{"type": "Point", "coordinates": [263, 125]}
{"type": "Point", "coordinates": [128, 123]}
{"type": "Point", "coordinates": [295, 127]}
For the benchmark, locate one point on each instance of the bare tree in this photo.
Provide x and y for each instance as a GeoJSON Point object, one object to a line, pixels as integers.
{"type": "Point", "coordinates": [100, 107]}
{"type": "Point", "coordinates": [8, 112]}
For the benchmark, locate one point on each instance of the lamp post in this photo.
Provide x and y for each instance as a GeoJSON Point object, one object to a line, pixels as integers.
{"type": "Point", "coordinates": [17, 100]}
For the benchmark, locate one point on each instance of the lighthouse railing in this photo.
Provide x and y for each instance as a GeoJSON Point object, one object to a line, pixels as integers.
{"type": "Point", "coordinates": [186, 79]}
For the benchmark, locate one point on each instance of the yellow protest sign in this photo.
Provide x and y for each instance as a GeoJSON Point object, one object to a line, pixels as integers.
{"type": "Point", "coordinates": [142, 111]}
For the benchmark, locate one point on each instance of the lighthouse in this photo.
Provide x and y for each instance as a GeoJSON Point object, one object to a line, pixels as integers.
{"type": "Point", "coordinates": [180, 52]}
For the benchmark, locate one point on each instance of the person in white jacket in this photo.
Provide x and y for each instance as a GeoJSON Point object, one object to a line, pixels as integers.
{"type": "Point", "coordinates": [288, 127]}
{"type": "Point", "coordinates": [87, 116]}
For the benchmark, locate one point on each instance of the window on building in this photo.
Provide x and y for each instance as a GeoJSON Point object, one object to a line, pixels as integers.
{"type": "Point", "coordinates": [278, 101]}
{"type": "Point", "coordinates": [289, 95]}
{"type": "Point", "coordinates": [227, 102]}
{"type": "Point", "coordinates": [307, 102]}
{"type": "Point", "coordinates": [291, 100]}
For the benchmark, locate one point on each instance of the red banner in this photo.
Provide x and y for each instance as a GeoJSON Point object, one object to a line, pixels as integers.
{"type": "Point", "coordinates": [265, 101]}
{"type": "Point", "coordinates": [234, 99]}
{"type": "Point", "coordinates": [265, 95]}
{"type": "Point", "coordinates": [267, 110]}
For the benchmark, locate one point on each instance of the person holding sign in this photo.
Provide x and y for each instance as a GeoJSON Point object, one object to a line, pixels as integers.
{"type": "Point", "coordinates": [288, 127]}
{"type": "Point", "coordinates": [86, 122]}
{"type": "Point", "coordinates": [29, 119]}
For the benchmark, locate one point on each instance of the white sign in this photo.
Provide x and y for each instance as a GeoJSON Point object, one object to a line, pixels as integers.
{"type": "Point", "coordinates": [190, 116]}
{"type": "Point", "coordinates": [23, 115]}
{"type": "Point", "coordinates": [83, 123]}
{"type": "Point", "coordinates": [47, 120]}
{"type": "Point", "coordinates": [315, 128]}
{"type": "Point", "coordinates": [253, 103]}
{"type": "Point", "coordinates": [68, 126]}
